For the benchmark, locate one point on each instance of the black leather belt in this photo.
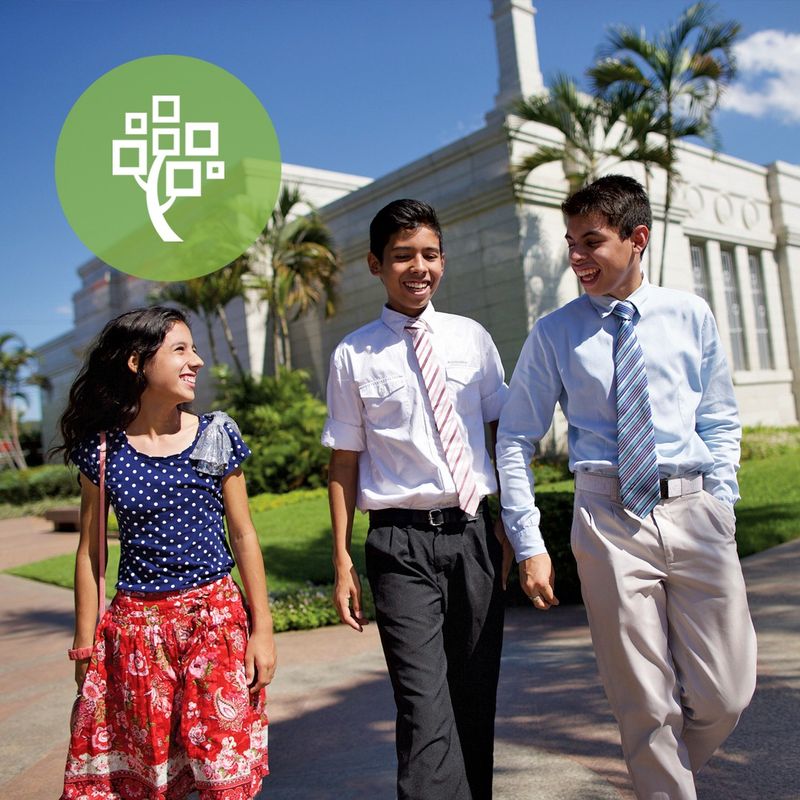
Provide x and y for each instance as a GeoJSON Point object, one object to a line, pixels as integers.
{"type": "Point", "coordinates": [434, 518]}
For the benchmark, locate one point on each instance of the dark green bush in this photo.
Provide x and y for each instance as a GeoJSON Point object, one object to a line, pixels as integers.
{"type": "Point", "coordinates": [281, 422]}
{"type": "Point", "coordinates": [312, 607]}
{"type": "Point", "coordinates": [38, 483]}
{"type": "Point", "coordinates": [765, 442]}
{"type": "Point", "coordinates": [556, 510]}
{"type": "Point", "coordinates": [551, 471]}
{"type": "Point", "coordinates": [30, 437]}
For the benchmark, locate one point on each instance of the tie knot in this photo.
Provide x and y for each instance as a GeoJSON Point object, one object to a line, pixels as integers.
{"type": "Point", "coordinates": [414, 324]}
{"type": "Point", "coordinates": [624, 310]}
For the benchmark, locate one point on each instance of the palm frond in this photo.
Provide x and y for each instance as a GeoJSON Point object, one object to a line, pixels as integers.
{"type": "Point", "coordinates": [614, 71]}
{"type": "Point", "coordinates": [622, 38]}
{"type": "Point", "coordinates": [692, 19]}
{"type": "Point", "coordinates": [719, 36]}
{"type": "Point", "coordinates": [545, 154]}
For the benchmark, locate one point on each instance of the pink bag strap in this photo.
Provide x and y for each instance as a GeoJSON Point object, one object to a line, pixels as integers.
{"type": "Point", "coordinates": [101, 532]}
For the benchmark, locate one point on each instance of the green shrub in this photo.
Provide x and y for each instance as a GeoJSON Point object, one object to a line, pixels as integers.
{"type": "Point", "coordinates": [551, 470]}
{"type": "Point", "coordinates": [764, 442]}
{"type": "Point", "coordinates": [312, 607]}
{"type": "Point", "coordinates": [38, 483]}
{"type": "Point", "coordinates": [270, 502]}
{"type": "Point", "coordinates": [30, 438]}
{"type": "Point", "coordinates": [556, 510]}
{"type": "Point", "coordinates": [281, 422]}
{"type": "Point", "coordinates": [36, 508]}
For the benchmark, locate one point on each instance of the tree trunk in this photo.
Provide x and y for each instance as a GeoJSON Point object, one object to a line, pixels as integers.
{"type": "Point", "coordinates": [212, 345]}
{"type": "Point", "coordinates": [649, 252]}
{"type": "Point", "coordinates": [226, 329]}
{"type": "Point", "coordinates": [19, 456]}
{"type": "Point", "coordinates": [276, 344]}
{"type": "Point", "coordinates": [10, 441]}
{"type": "Point", "coordinates": [668, 194]}
{"type": "Point", "coordinates": [667, 206]}
{"type": "Point", "coordinates": [287, 345]}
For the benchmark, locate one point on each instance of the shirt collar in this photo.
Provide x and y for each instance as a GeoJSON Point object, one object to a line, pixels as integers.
{"type": "Point", "coordinates": [396, 321]}
{"type": "Point", "coordinates": [604, 304]}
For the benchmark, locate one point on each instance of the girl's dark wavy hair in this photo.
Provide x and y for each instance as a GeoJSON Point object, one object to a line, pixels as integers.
{"type": "Point", "coordinates": [106, 394]}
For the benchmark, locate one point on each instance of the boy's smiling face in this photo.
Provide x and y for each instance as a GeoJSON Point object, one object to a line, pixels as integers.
{"type": "Point", "coordinates": [603, 262]}
{"type": "Point", "coordinates": [411, 269]}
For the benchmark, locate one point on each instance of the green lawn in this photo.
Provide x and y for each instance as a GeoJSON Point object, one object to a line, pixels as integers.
{"type": "Point", "coordinates": [295, 534]}
{"type": "Point", "coordinates": [769, 511]}
{"type": "Point", "coordinates": [295, 529]}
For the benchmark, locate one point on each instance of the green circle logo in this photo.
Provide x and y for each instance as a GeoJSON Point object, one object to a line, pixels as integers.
{"type": "Point", "coordinates": [167, 168]}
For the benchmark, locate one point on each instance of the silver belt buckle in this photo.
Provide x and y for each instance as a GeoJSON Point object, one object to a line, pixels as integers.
{"type": "Point", "coordinates": [436, 518]}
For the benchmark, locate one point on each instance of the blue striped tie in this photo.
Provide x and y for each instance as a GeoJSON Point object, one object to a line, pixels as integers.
{"type": "Point", "coordinates": [636, 440]}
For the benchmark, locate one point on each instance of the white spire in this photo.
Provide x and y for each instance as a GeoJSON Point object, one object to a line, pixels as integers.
{"type": "Point", "coordinates": [517, 52]}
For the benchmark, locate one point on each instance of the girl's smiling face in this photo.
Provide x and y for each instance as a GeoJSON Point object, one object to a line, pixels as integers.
{"type": "Point", "coordinates": [172, 371]}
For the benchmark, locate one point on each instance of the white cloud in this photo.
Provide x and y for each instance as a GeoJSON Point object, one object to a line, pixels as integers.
{"type": "Point", "coordinates": [63, 311]}
{"type": "Point", "coordinates": [768, 82]}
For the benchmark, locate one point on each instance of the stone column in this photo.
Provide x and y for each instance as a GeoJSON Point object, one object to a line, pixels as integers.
{"type": "Point", "coordinates": [742, 266]}
{"type": "Point", "coordinates": [772, 296]}
{"type": "Point", "coordinates": [716, 289]}
{"type": "Point", "coordinates": [783, 184]}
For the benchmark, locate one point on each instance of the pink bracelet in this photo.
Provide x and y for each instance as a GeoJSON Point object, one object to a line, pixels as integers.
{"type": "Point", "coordinates": [79, 653]}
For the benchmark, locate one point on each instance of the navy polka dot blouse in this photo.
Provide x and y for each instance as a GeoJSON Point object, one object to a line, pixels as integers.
{"type": "Point", "coordinates": [170, 514]}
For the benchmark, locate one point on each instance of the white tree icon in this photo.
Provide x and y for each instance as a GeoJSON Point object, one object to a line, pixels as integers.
{"type": "Point", "coordinates": [200, 139]}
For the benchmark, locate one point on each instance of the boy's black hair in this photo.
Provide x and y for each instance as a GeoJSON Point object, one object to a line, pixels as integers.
{"type": "Point", "coordinates": [405, 215]}
{"type": "Point", "coordinates": [621, 200]}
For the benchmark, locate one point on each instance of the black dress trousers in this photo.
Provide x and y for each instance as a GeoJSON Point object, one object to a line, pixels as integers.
{"type": "Point", "coordinates": [439, 607]}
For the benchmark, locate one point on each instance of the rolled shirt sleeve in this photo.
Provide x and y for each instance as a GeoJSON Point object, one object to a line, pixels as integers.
{"type": "Point", "coordinates": [344, 427]}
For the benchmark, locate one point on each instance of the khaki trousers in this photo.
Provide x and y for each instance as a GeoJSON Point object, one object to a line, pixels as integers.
{"type": "Point", "coordinates": [671, 629]}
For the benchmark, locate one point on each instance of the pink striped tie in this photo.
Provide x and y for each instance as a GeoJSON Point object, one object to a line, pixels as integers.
{"type": "Point", "coordinates": [445, 417]}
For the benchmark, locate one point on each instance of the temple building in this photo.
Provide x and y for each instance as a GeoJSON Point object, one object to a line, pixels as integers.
{"type": "Point", "coordinates": [734, 239]}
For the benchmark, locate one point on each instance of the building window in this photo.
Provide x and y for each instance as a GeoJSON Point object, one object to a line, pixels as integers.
{"type": "Point", "coordinates": [735, 325]}
{"type": "Point", "coordinates": [765, 360]}
{"type": "Point", "coordinates": [700, 271]}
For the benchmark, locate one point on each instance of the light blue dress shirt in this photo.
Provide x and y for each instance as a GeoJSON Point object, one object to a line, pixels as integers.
{"type": "Point", "coordinates": [568, 359]}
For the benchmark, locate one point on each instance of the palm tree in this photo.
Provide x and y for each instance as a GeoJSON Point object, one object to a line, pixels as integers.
{"type": "Point", "coordinates": [12, 365]}
{"type": "Point", "coordinates": [295, 268]}
{"type": "Point", "coordinates": [191, 297]}
{"type": "Point", "coordinates": [208, 296]}
{"type": "Point", "coordinates": [598, 132]}
{"type": "Point", "coordinates": [681, 72]}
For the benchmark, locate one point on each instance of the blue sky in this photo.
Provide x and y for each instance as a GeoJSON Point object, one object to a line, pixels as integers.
{"type": "Point", "coordinates": [360, 86]}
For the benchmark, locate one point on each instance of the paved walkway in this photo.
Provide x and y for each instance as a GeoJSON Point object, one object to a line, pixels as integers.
{"type": "Point", "coordinates": [331, 707]}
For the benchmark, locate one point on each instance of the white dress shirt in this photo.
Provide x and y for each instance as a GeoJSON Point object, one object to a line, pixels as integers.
{"type": "Point", "coordinates": [568, 359]}
{"type": "Point", "coordinates": [379, 407]}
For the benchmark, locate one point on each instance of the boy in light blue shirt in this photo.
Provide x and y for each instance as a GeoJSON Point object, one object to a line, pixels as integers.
{"type": "Point", "coordinates": [641, 376]}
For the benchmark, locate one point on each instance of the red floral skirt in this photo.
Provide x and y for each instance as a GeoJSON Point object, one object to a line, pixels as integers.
{"type": "Point", "coordinates": [165, 709]}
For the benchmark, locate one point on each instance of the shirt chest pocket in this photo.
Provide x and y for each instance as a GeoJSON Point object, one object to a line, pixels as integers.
{"type": "Point", "coordinates": [386, 402]}
{"type": "Point", "coordinates": [464, 385]}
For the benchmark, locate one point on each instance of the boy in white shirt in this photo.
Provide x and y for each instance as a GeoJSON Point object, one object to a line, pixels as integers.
{"type": "Point", "coordinates": [408, 397]}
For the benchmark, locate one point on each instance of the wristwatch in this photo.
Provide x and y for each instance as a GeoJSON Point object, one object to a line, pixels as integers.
{"type": "Point", "coordinates": [79, 653]}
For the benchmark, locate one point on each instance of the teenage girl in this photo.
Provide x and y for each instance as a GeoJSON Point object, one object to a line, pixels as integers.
{"type": "Point", "coordinates": [171, 683]}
